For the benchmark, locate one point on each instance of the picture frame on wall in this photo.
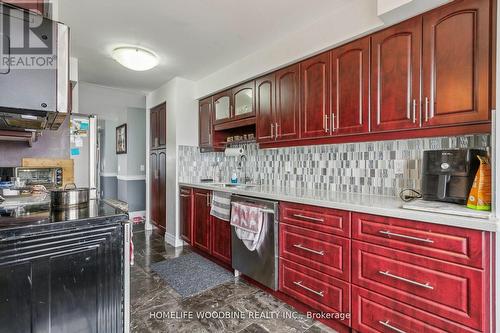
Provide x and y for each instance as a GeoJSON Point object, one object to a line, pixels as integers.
{"type": "Point", "coordinates": [121, 139]}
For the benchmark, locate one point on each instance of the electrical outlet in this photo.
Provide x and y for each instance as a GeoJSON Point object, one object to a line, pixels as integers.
{"type": "Point", "coordinates": [399, 167]}
{"type": "Point", "coordinates": [142, 167]}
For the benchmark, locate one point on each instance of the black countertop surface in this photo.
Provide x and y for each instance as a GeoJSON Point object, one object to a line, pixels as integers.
{"type": "Point", "coordinates": [41, 213]}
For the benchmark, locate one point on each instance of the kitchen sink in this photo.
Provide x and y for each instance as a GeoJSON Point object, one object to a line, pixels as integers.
{"type": "Point", "coordinates": [232, 185]}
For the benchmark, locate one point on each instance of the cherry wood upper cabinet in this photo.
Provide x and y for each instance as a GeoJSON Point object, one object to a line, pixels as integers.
{"type": "Point", "coordinates": [243, 101]}
{"type": "Point", "coordinates": [395, 85]}
{"type": "Point", "coordinates": [315, 98]}
{"type": "Point", "coordinates": [222, 107]}
{"type": "Point", "coordinates": [153, 133]}
{"type": "Point", "coordinates": [265, 111]}
{"type": "Point", "coordinates": [287, 102]}
{"type": "Point", "coordinates": [205, 123]}
{"type": "Point", "coordinates": [158, 125]}
{"type": "Point", "coordinates": [456, 50]}
{"type": "Point", "coordinates": [350, 82]}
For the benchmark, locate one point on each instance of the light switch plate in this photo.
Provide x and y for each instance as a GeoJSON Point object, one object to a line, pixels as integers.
{"type": "Point", "coordinates": [142, 167]}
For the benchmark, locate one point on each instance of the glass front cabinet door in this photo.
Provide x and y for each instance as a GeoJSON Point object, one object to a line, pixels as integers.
{"type": "Point", "coordinates": [244, 100]}
{"type": "Point", "coordinates": [222, 104]}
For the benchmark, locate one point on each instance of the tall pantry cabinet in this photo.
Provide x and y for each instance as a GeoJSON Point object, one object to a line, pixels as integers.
{"type": "Point", "coordinates": [157, 165]}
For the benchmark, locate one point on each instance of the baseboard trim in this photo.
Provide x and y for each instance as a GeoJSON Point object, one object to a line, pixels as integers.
{"type": "Point", "coordinates": [173, 240]}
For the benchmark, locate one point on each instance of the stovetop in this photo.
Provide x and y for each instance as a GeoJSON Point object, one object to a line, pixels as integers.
{"type": "Point", "coordinates": [39, 212]}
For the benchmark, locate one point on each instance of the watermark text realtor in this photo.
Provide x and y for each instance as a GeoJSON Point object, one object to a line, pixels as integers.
{"type": "Point", "coordinates": [26, 40]}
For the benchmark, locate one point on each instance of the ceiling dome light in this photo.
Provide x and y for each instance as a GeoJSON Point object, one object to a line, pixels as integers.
{"type": "Point", "coordinates": [135, 58]}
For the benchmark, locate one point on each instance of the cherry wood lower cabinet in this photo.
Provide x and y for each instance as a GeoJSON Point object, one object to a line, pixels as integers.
{"type": "Point", "coordinates": [158, 163]}
{"type": "Point", "coordinates": [458, 245]}
{"type": "Point", "coordinates": [405, 276]}
{"type": "Point", "coordinates": [186, 214]}
{"type": "Point", "coordinates": [325, 253]}
{"type": "Point", "coordinates": [331, 221]}
{"type": "Point", "coordinates": [210, 235]}
{"type": "Point", "coordinates": [221, 240]}
{"type": "Point", "coordinates": [318, 290]}
{"type": "Point", "coordinates": [201, 231]}
{"type": "Point", "coordinates": [451, 291]}
{"type": "Point", "coordinates": [374, 313]}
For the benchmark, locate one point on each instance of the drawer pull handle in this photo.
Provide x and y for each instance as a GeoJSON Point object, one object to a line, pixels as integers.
{"type": "Point", "coordinates": [185, 195]}
{"type": "Point", "coordinates": [319, 293]}
{"type": "Point", "coordinates": [315, 219]}
{"type": "Point", "coordinates": [388, 233]}
{"type": "Point", "coordinates": [415, 283]}
{"type": "Point", "coordinates": [300, 246]}
{"type": "Point", "coordinates": [386, 324]}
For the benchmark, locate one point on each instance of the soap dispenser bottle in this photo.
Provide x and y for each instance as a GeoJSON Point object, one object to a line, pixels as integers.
{"type": "Point", "coordinates": [234, 177]}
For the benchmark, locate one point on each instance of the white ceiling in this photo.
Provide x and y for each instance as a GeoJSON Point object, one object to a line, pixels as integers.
{"type": "Point", "coordinates": [193, 38]}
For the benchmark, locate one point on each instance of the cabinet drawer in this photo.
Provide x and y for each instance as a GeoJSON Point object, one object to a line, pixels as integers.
{"type": "Point", "coordinates": [317, 290]}
{"type": "Point", "coordinates": [324, 252]}
{"type": "Point", "coordinates": [327, 220]}
{"type": "Point", "coordinates": [375, 313]}
{"type": "Point", "coordinates": [459, 245]}
{"type": "Point", "coordinates": [451, 291]}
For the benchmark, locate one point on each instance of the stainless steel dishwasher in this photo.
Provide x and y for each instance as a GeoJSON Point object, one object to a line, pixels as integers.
{"type": "Point", "coordinates": [260, 265]}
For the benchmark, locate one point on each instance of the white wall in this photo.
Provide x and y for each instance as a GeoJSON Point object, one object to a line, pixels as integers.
{"type": "Point", "coordinates": [357, 18]}
{"type": "Point", "coordinates": [113, 105]}
{"type": "Point", "coordinates": [182, 129]}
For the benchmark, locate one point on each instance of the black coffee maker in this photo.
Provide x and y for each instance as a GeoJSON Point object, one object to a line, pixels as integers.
{"type": "Point", "coordinates": [448, 174]}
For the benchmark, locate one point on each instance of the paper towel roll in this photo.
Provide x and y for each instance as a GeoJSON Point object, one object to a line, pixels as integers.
{"type": "Point", "coordinates": [234, 151]}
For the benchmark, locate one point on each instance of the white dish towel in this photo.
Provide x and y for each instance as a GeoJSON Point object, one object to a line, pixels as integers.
{"type": "Point", "coordinates": [248, 221]}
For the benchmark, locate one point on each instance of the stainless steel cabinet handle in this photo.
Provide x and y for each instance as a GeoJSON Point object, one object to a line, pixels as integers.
{"type": "Point", "coordinates": [300, 246]}
{"type": "Point", "coordinates": [325, 123]}
{"type": "Point", "coordinates": [332, 122]}
{"type": "Point", "coordinates": [315, 219]}
{"type": "Point", "coordinates": [185, 195]}
{"type": "Point", "coordinates": [414, 110]}
{"type": "Point", "coordinates": [276, 126]}
{"type": "Point", "coordinates": [208, 200]}
{"type": "Point", "coordinates": [415, 283]}
{"type": "Point", "coordinates": [418, 239]}
{"type": "Point", "coordinates": [319, 293]}
{"type": "Point", "coordinates": [426, 109]}
{"type": "Point", "coordinates": [389, 326]}
{"type": "Point", "coordinates": [272, 131]}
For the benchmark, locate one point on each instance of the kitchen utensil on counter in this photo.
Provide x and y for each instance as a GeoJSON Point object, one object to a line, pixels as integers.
{"type": "Point", "coordinates": [448, 174]}
{"type": "Point", "coordinates": [68, 197]}
{"type": "Point", "coordinates": [18, 182]}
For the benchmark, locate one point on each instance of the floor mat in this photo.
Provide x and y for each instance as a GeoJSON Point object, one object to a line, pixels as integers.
{"type": "Point", "coordinates": [191, 274]}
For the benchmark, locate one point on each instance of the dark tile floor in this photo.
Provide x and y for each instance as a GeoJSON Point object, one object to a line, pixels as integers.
{"type": "Point", "coordinates": [152, 300]}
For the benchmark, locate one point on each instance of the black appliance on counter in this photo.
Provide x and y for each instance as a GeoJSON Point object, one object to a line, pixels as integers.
{"type": "Point", "coordinates": [448, 174]}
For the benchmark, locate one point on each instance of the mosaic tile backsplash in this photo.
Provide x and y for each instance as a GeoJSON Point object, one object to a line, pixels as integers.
{"type": "Point", "coordinates": [382, 167]}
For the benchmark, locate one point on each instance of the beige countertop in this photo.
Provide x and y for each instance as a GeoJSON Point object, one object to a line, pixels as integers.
{"type": "Point", "coordinates": [362, 203]}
